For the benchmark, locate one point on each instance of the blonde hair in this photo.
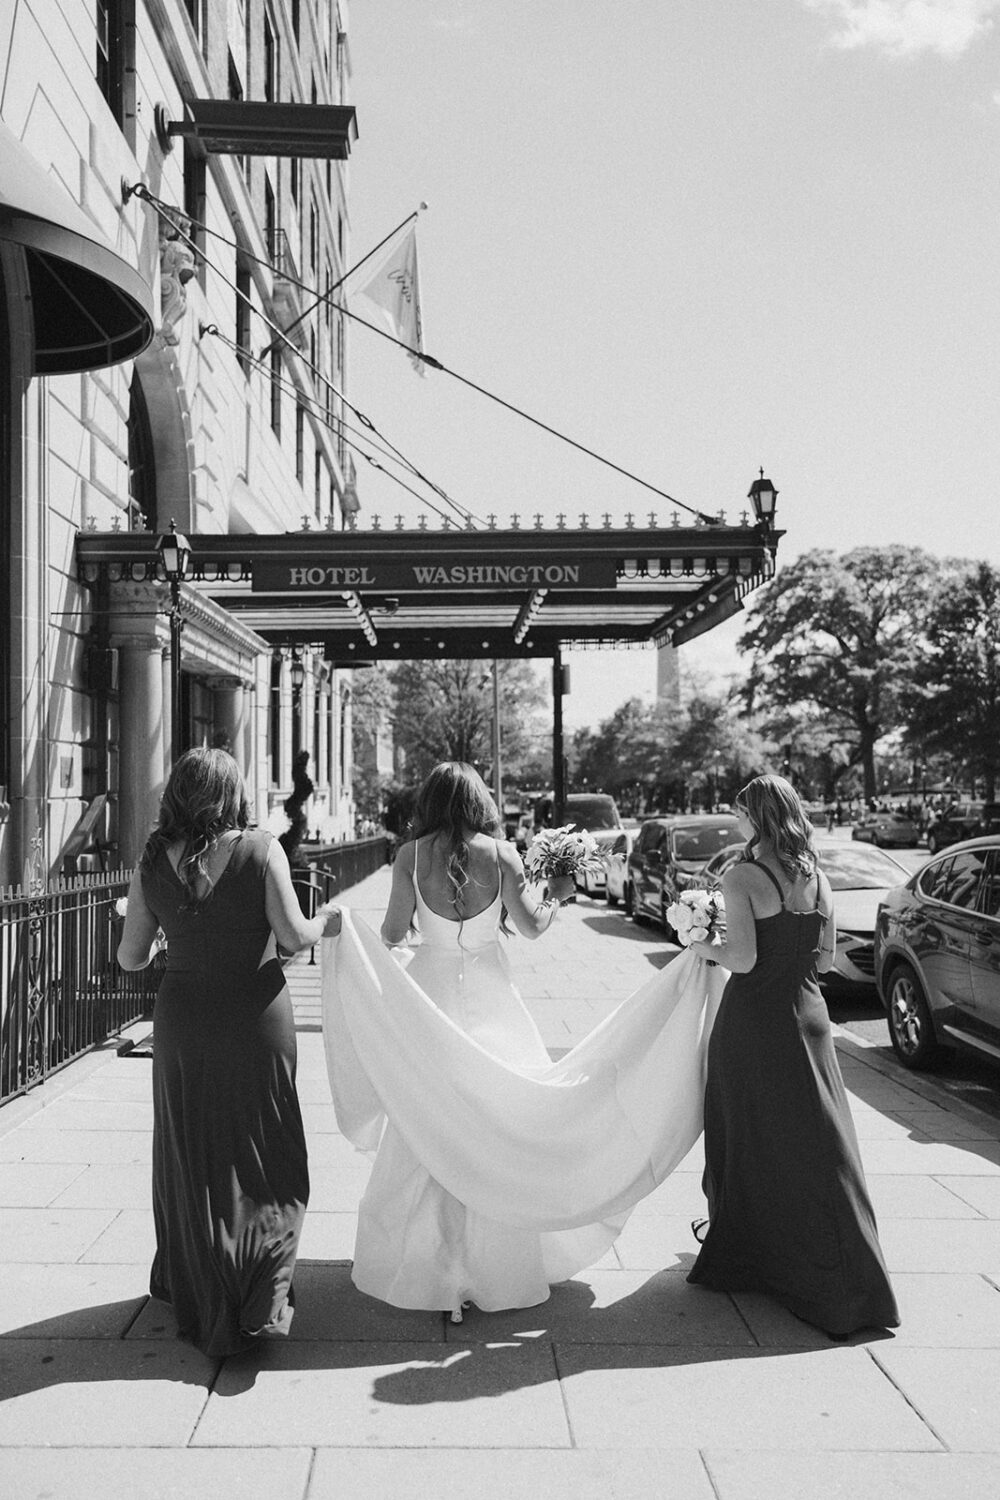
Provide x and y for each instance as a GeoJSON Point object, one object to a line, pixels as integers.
{"type": "Point", "coordinates": [453, 798]}
{"type": "Point", "coordinates": [775, 809]}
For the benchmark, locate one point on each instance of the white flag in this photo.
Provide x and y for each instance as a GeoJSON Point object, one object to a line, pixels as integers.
{"type": "Point", "coordinates": [394, 288]}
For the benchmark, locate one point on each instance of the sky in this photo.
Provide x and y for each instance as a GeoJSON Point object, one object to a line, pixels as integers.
{"type": "Point", "coordinates": [701, 237]}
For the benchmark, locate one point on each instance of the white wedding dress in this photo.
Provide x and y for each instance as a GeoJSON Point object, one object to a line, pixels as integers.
{"type": "Point", "coordinates": [499, 1172]}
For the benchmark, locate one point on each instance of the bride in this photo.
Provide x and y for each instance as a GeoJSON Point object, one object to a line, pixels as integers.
{"type": "Point", "coordinates": [497, 1172]}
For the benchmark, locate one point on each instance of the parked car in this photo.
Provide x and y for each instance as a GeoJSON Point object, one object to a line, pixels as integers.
{"type": "Point", "coordinates": [961, 821]}
{"type": "Point", "coordinates": [860, 879]}
{"type": "Point", "coordinates": [669, 856]}
{"type": "Point", "coordinates": [937, 955]}
{"type": "Point", "coordinates": [597, 813]}
{"type": "Point", "coordinates": [617, 865]}
{"type": "Point", "coordinates": [887, 828]}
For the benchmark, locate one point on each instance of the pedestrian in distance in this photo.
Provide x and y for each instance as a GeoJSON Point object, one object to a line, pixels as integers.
{"type": "Point", "coordinates": [788, 1209]}
{"type": "Point", "coordinates": [230, 1174]}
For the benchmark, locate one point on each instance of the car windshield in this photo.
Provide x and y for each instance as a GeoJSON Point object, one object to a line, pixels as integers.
{"type": "Point", "coordinates": [702, 843]}
{"type": "Point", "coordinates": [851, 869]}
{"type": "Point", "coordinates": [592, 813]}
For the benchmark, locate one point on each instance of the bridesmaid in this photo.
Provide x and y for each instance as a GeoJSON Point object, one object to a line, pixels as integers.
{"type": "Point", "coordinates": [230, 1178]}
{"type": "Point", "coordinates": [789, 1212]}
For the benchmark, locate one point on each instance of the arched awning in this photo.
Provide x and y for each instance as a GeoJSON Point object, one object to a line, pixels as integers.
{"type": "Point", "coordinates": [91, 308]}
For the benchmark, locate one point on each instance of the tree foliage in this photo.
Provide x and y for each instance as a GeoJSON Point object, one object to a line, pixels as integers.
{"type": "Point", "coordinates": [953, 698]}
{"type": "Point", "coordinates": [444, 711]}
{"type": "Point", "coordinates": [839, 636]}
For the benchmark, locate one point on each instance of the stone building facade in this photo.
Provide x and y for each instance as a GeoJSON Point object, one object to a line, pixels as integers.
{"type": "Point", "coordinates": [195, 425]}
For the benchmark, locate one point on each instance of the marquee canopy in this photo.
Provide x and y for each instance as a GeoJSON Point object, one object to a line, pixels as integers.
{"type": "Point", "coordinates": [393, 595]}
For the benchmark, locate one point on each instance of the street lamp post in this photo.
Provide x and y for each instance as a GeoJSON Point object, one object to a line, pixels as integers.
{"type": "Point", "coordinates": [763, 497]}
{"type": "Point", "coordinates": [174, 551]}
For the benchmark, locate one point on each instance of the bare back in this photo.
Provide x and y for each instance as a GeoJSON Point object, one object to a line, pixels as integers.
{"type": "Point", "coordinates": [438, 891]}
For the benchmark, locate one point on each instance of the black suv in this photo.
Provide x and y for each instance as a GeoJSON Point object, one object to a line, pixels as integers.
{"type": "Point", "coordinates": [669, 856]}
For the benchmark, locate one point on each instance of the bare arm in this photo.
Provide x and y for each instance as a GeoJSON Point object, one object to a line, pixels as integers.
{"type": "Point", "coordinates": [529, 915]}
{"type": "Point", "coordinates": [738, 951]}
{"type": "Point", "coordinates": [281, 906]}
{"type": "Point", "coordinates": [138, 943]}
{"type": "Point", "coordinates": [828, 941]}
{"type": "Point", "coordinates": [402, 898]}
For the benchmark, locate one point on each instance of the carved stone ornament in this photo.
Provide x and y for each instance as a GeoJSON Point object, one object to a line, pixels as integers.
{"type": "Point", "coordinates": [177, 266]}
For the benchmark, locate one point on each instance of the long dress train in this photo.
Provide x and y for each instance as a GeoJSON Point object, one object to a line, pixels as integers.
{"type": "Point", "coordinates": [499, 1172]}
{"type": "Point", "coordinates": [789, 1212]}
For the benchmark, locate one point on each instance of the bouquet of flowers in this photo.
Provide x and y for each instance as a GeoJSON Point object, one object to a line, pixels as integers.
{"type": "Point", "coordinates": [698, 917]}
{"type": "Point", "coordinates": [561, 851]}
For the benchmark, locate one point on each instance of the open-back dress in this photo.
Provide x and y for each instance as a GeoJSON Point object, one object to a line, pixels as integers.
{"type": "Point", "coordinates": [230, 1177]}
{"type": "Point", "coordinates": [789, 1212]}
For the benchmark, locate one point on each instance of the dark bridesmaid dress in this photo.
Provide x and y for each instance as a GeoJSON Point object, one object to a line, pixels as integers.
{"type": "Point", "coordinates": [230, 1177]}
{"type": "Point", "coordinates": [789, 1213]}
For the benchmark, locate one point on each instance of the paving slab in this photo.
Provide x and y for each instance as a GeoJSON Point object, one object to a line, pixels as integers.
{"type": "Point", "coordinates": [982, 1193]}
{"type": "Point", "coordinates": [902, 1196]}
{"type": "Point", "coordinates": [328, 1236]}
{"type": "Point", "coordinates": [615, 1307]}
{"type": "Point", "coordinates": [937, 1310]}
{"type": "Point", "coordinates": [941, 1245]}
{"type": "Point", "coordinates": [835, 1398]}
{"type": "Point", "coordinates": [71, 1113]}
{"type": "Point", "coordinates": [847, 1476]}
{"type": "Point", "coordinates": [954, 1390]}
{"type": "Point", "coordinates": [87, 1146]}
{"type": "Point", "coordinates": [99, 1393]}
{"type": "Point", "coordinates": [33, 1185]}
{"type": "Point", "coordinates": [51, 1234]}
{"type": "Point", "coordinates": [129, 1238]}
{"type": "Point", "coordinates": [387, 1395]}
{"type": "Point", "coordinates": [153, 1474]}
{"type": "Point", "coordinates": [70, 1301]}
{"type": "Point", "coordinates": [510, 1474]}
{"type": "Point", "coordinates": [126, 1185]}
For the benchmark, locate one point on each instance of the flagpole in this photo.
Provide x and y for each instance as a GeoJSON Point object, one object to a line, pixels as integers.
{"type": "Point", "coordinates": [325, 297]}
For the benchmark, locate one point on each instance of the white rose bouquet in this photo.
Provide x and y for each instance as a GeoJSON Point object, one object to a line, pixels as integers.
{"type": "Point", "coordinates": [561, 851]}
{"type": "Point", "coordinates": [698, 917]}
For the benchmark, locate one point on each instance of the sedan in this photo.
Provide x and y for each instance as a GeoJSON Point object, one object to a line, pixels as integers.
{"type": "Point", "coordinates": [937, 955]}
{"type": "Point", "coordinates": [860, 879]}
{"type": "Point", "coordinates": [893, 830]}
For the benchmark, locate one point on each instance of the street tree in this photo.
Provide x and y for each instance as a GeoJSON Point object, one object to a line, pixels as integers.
{"type": "Point", "coordinates": [840, 636]}
{"type": "Point", "coordinates": [953, 699]}
{"type": "Point", "coordinates": [444, 711]}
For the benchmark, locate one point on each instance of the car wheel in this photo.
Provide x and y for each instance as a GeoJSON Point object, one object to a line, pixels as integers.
{"type": "Point", "coordinates": [911, 1026]}
{"type": "Point", "coordinates": [932, 843]}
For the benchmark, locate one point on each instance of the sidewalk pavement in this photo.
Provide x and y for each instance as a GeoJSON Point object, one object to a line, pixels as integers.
{"type": "Point", "coordinates": [628, 1383]}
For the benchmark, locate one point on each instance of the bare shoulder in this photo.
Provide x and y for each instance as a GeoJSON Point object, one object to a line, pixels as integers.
{"type": "Point", "coordinates": [405, 853]}
{"type": "Point", "coordinates": [740, 878]}
{"type": "Point", "coordinates": [508, 855]}
{"type": "Point", "coordinates": [824, 891]}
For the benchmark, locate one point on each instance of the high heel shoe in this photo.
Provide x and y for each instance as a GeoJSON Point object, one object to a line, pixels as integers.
{"type": "Point", "coordinates": [457, 1313]}
{"type": "Point", "coordinates": [699, 1228]}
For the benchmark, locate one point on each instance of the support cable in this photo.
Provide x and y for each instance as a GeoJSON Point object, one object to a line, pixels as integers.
{"type": "Point", "coordinates": [140, 190]}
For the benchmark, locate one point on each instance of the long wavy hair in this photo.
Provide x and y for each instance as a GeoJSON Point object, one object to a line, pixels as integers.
{"type": "Point", "coordinates": [453, 800]}
{"type": "Point", "coordinates": [204, 798]}
{"type": "Point", "coordinates": [774, 808]}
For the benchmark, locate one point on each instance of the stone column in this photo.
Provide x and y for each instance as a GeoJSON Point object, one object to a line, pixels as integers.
{"type": "Point", "coordinates": [227, 714]}
{"type": "Point", "coordinates": [141, 745]}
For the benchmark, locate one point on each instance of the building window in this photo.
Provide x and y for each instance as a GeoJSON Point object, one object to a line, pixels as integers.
{"type": "Point", "coordinates": [274, 721]}
{"type": "Point", "coordinates": [271, 76]}
{"type": "Point", "coordinates": [141, 462]}
{"type": "Point", "coordinates": [296, 19]}
{"type": "Point", "coordinates": [300, 442]}
{"type": "Point", "coordinates": [276, 393]}
{"type": "Point", "coordinates": [243, 316]}
{"type": "Point", "coordinates": [318, 482]}
{"type": "Point", "coordinates": [194, 202]}
{"type": "Point", "coordinates": [270, 216]}
{"type": "Point", "coordinates": [195, 13]}
{"type": "Point", "coordinates": [110, 64]}
{"type": "Point", "coordinates": [236, 93]}
{"type": "Point", "coordinates": [295, 174]}
{"type": "Point", "coordinates": [313, 235]}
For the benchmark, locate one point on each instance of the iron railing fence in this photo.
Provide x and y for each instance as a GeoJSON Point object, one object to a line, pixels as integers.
{"type": "Point", "coordinates": [61, 990]}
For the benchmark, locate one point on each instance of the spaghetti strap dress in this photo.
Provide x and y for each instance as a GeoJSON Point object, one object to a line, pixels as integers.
{"type": "Point", "coordinates": [789, 1212]}
{"type": "Point", "coordinates": [230, 1176]}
